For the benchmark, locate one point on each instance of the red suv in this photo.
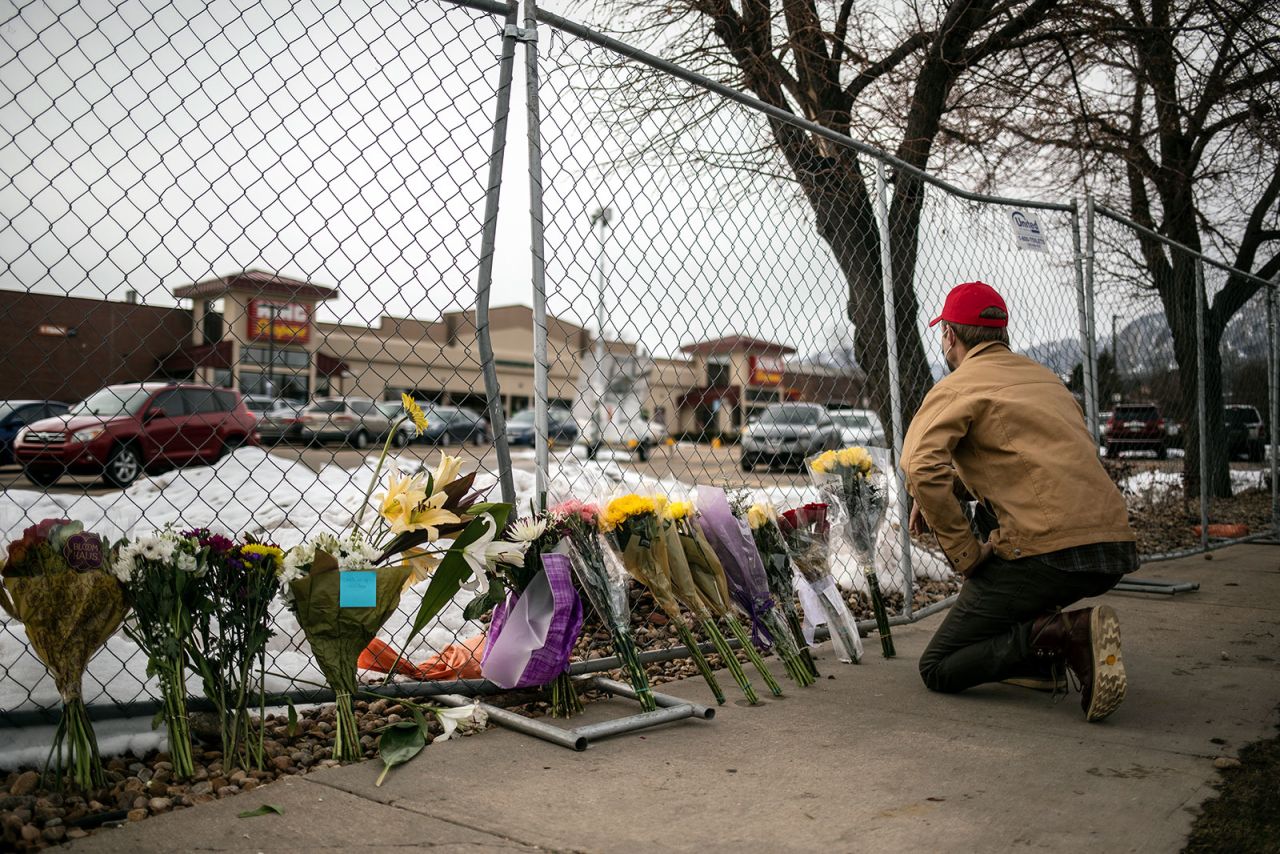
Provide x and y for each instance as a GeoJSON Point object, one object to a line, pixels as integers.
{"type": "Point", "coordinates": [123, 430]}
{"type": "Point", "coordinates": [1137, 427]}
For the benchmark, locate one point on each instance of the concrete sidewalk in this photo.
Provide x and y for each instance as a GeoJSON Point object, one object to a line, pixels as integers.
{"type": "Point", "coordinates": [864, 760]}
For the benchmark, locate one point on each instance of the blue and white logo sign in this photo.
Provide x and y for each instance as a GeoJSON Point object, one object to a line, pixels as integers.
{"type": "Point", "coordinates": [1026, 232]}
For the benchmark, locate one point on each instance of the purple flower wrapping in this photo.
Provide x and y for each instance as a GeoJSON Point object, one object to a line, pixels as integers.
{"type": "Point", "coordinates": [531, 636]}
{"type": "Point", "coordinates": [733, 543]}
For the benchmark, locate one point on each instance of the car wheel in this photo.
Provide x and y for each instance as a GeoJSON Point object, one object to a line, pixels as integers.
{"type": "Point", "coordinates": [1112, 451]}
{"type": "Point", "coordinates": [1162, 452]}
{"type": "Point", "coordinates": [642, 452]}
{"type": "Point", "coordinates": [229, 446]}
{"type": "Point", "coordinates": [123, 467]}
{"type": "Point", "coordinates": [402, 439]}
{"type": "Point", "coordinates": [1256, 452]}
{"type": "Point", "coordinates": [42, 476]}
{"type": "Point", "coordinates": [747, 463]}
{"type": "Point", "coordinates": [360, 440]}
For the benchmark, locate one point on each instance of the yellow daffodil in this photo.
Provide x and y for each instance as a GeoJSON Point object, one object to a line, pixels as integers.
{"type": "Point", "coordinates": [446, 471]}
{"type": "Point", "coordinates": [415, 412]}
{"type": "Point", "coordinates": [403, 493]}
{"type": "Point", "coordinates": [427, 515]}
{"type": "Point", "coordinates": [759, 515]}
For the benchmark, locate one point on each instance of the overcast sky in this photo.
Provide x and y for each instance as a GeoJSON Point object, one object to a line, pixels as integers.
{"type": "Point", "coordinates": [151, 143]}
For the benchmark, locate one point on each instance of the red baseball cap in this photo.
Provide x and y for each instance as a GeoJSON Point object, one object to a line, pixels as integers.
{"type": "Point", "coordinates": [966, 303]}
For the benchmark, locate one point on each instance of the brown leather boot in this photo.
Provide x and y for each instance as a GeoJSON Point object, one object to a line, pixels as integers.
{"type": "Point", "coordinates": [1088, 642]}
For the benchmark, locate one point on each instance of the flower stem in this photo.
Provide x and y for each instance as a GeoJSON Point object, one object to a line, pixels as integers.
{"type": "Point", "coordinates": [735, 626]}
{"type": "Point", "coordinates": [377, 472]}
{"type": "Point", "coordinates": [704, 667]}
{"type": "Point", "coordinates": [730, 660]}
{"type": "Point", "coordinates": [882, 616]}
{"type": "Point", "coordinates": [173, 689]}
{"type": "Point", "coordinates": [626, 649]}
{"type": "Point", "coordinates": [346, 735]}
{"type": "Point", "coordinates": [565, 702]}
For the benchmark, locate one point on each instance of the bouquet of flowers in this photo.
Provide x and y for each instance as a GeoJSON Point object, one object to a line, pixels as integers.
{"type": "Point", "coordinates": [727, 541]}
{"type": "Point", "coordinates": [763, 521]}
{"type": "Point", "coordinates": [232, 627]}
{"type": "Point", "coordinates": [850, 480]}
{"type": "Point", "coordinates": [162, 574]}
{"type": "Point", "coordinates": [630, 524]}
{"type": "Point", "coordinates": [56, 583]}
{"type": "Point", "coordinates": [707, 601]}
{"type": "Point", "coordinates": [806, 533]}
{"type": "Point", "coordinates": [342, 589]}
{"type": "Point", "coordinates": [536, 623]}
{"type": "Point", "coordinates": [604, 587]}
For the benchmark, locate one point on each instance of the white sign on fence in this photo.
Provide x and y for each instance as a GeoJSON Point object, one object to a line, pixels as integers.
{"type": "Point", "coordinates": [1026, 232]}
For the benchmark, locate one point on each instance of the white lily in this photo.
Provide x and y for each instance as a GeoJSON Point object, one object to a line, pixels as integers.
{"type": "Point", "coordinates": [486, 552]}
{"type": "Point", "coordinates": [450, 718]}
{"type": "Point", "coordinates": [446, 472]}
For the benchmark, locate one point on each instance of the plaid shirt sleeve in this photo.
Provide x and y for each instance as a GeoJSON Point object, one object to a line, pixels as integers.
{"type": "Point", "coordinates": [1117, 558]}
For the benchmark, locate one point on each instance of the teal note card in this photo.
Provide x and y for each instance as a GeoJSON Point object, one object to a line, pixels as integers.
{"type": "Point", "coordinates": [357, 589]}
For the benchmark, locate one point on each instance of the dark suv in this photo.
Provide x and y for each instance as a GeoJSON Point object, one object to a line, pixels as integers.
{"type": "Point", "coordinates": [123, 430]}
{"type": "Point", "coordinates": [1137, 427]}
{"type": "Point", "coordinates": [1245, 433]}
{"type": "Point", "coordinates": [787, 433]}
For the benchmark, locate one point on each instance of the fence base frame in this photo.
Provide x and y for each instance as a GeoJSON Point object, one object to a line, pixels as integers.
{"type": "Point", "coordinates": [670, 709]}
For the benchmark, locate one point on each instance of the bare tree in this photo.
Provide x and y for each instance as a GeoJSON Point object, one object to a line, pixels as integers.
{"type": "Point", "coordinates": [1174, 105]}
{"type": "Point", "coordinates": [910, 79]}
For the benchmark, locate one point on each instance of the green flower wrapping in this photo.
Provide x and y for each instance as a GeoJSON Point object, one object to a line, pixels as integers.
{"type": "Point", "coordinates": [338, 635]}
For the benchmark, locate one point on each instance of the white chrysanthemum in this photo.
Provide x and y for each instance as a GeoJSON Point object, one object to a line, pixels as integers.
{"type": "Point", "coordinates": [528, 530]}
{"type": "Point", "coordinates": [125, 565]}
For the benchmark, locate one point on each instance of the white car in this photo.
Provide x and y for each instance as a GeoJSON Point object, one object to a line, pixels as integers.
{"type": "Point", "coordinates": [859, 427]}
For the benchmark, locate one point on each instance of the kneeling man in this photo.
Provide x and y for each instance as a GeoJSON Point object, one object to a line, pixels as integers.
{"type": "Point", "coordinates": [1003, 430]}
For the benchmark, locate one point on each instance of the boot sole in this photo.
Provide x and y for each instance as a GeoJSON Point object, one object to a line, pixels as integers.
{"type": "Point", "coordinates": [1046, 685]}
{"type": "Point", "coordinates": [1109, 683]}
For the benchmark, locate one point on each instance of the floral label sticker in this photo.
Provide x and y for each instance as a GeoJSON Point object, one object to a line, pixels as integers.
{"type": "Point", "coordinates": [83, 552]}
{"type": "Point", "coordinates": [357, 589]}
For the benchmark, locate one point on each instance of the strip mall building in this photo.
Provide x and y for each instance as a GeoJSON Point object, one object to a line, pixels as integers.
{"type": "Point", "coordinates": [257, 332]}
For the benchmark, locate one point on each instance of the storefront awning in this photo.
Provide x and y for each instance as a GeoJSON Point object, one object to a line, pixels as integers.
{"type": "Point", "coordinates": [707, 395]}
{"type": "Point", "coordinates": [330, 365]}
{"type": "Point", "coordinates": [192, 356]}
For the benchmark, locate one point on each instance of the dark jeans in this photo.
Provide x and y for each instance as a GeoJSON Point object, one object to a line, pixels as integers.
{"type": "Point", "coordinates": [986, 636]}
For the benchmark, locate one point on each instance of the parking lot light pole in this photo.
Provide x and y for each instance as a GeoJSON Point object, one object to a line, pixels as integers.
{"type": "Point", "coordinates": [602, 217]}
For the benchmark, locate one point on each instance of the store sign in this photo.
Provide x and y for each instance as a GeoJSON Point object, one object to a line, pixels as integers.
{"type": "Point", "coordinates": [288, 322]}
{"type": "Point", "coordinates": [1026, 231]}
{"type": "Point", "coordinates": [766, 370]}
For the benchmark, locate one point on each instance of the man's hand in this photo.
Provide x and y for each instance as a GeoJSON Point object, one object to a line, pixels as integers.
{"type": "Point", "coordinates": [917, 523]}
{"type": "Point", "coordinates": [984, 555]}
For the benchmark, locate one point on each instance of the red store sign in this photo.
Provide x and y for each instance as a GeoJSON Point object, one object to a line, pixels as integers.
{"type": "Point", "coordinates": [766, 370]}
{"type": "Point", "coordinates": [285, 322]}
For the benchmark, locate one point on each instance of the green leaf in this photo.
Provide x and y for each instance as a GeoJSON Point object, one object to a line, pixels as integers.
{"type": "Point", "coordinates": [476, 607]}
{"type": "Point", "coordinates": [265, 809]}
{"type": "Point", "coordinates": [293, 720]}
{"type": "Point", "coordinates": [448, 577]}
{"type": "Point", "coordinates": [398, 745]}
{"type": "Point", "coordinates": [481, 507]}
{"type": "Point", "coordinates": [157, 719]}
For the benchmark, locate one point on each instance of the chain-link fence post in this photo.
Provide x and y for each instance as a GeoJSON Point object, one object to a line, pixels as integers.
{"type": "Point", "coordinates": [502, 108]}
{"type": "Point", "coordinates": [895, 393]}
{"type": "Point", "coordinates": [1273, 407]}
{"type": "Point", "coordinates": [1202, 412]}
{"type": "Point", "coordinates": [541, 368]}
{"type": "Point", "coordinates": [1090, 387]}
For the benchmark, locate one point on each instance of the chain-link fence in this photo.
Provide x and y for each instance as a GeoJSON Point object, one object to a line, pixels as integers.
{"type": "Point", "coordinates": [303, 206]}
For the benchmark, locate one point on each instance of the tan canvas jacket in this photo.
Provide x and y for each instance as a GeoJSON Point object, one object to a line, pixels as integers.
{"type": "Point", "coordinates": [1012, 433]}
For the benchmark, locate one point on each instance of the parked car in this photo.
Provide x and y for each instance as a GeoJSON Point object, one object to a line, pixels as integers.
{"type": "Point", "coordinates": [859, 427]}
{"type": "Point", "coordinates": [449, 424]}
{"type": "Point", "coordinates": [1137, 427]}
{"type": "Point", "coordinates": [787, 433]}
{"type": "Point", "coordinates": [406, 432]}
{"type": "Point", "coordinates": [16, 414]}
{"type": "Point", "coordinates": [1245, 434]}
{"type": "Point", "coordinates": [281, 423]}
{"type": "Point", "coordinates": [357, 421]}
{"type": "Point", "coordinates": [561, 427]}
{"type": "Point", "coordinates": [122, 431]}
